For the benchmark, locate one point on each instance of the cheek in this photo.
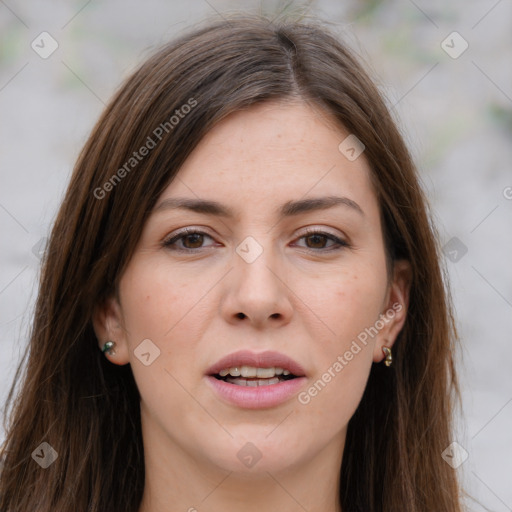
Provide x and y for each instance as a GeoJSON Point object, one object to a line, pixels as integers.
{"type": "Point", "coordinates": [347, 301]}
{"type": "Point", "coordinates": [158, 300]}
{"type": "Point", "coordinates": [349, 304]}
{"type": "Point", "coordinates": [159, 305]}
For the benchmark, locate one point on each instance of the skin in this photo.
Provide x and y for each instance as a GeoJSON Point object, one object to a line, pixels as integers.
{"type": "Point", "coordinates": [310, 305]}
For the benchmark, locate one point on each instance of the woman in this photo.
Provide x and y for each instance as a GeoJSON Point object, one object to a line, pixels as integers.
{"type": "Point", "coordinates": [241, 304]}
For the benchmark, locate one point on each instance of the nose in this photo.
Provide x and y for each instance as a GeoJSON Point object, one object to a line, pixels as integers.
{"type": "Point", "coordinates": [257, 292]}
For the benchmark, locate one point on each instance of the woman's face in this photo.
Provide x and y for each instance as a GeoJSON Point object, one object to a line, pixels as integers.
{"type": "Point", "coordinates": [304, 282]}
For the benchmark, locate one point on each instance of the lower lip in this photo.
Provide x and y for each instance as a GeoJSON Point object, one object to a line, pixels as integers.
{"type": "Point", "coordinates": [259, 397]}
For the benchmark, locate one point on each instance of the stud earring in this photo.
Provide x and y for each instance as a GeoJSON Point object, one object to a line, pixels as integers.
{"type": "Point", "coordinates": [389, 357]}
{"type": "Point", "coordinates": [108, 347]}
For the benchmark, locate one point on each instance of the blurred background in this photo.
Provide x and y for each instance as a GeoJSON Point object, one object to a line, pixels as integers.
{"type": "Point", "coordinates": [445, 69]}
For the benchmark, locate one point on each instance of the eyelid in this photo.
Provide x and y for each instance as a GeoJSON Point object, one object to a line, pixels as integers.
{"type": "Point", "coordinates": [319, 230]}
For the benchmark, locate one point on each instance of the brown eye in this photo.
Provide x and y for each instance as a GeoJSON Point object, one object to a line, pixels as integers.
{"type": "Point", "coordinates": [195, 240]}
{"type": "Point", "coordinates": [316, 241]}
{"type": "Point", "coordinates": [188, 240]}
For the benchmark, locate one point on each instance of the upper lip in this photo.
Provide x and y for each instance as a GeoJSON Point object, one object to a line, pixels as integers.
{"type": "Point", "coordinates": [266, 359]}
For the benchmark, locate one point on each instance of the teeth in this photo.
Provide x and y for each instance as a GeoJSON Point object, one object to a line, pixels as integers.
{"type": "Point", "coordinates": [253, 383]}
{"type": "Point", "coordinates": [265, 373]}
{"type": "Point", "coordinates": [248, 371]}
{"type": "Point", "coordinates": [251, 372]}
{"type": "Point", "coordinates": [268, 382]}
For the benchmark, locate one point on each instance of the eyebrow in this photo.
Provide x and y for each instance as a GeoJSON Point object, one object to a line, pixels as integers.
{"type": "Point", "coordinates": [288, 209]}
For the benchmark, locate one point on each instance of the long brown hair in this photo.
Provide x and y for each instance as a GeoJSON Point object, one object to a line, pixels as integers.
{"type": "Point", "coordinates": [87, 409]}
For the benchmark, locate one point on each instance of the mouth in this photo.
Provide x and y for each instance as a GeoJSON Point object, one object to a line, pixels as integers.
{"type": "Point", "coordinates": [253, 376]}
{"type": "Point", "coordinates": [252, 380]}
{"type": "Point", "coordinates": [246, 368]}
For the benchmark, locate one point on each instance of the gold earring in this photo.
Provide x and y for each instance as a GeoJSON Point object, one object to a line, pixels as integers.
{"type": "Point", "coordinates": [108, 347]}
{"type": "Point", "coordinates": [389, 358]}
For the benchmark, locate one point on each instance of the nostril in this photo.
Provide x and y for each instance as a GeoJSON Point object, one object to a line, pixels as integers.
{"type": "Point", "coordinates": [240, 315]}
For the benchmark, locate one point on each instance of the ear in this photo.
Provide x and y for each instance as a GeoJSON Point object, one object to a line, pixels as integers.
{"type": "Point", "coordinates": [396, 305]}
{"type": "Point", "coordinates": [107, 321]}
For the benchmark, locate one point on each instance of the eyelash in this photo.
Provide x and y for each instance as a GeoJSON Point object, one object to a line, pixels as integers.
{"type": "Point", "coordinates": [191, 231]}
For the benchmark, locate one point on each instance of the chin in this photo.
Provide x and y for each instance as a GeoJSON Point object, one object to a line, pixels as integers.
{"type": "Point", "coordinates": [258, 454]}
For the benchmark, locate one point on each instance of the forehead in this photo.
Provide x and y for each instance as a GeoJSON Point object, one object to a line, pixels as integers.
{"type": "Point", "coordinates": [272, 153]}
